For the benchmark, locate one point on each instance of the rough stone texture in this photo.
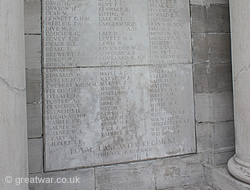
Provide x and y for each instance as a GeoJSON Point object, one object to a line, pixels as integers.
{"type": "Point", "coordinates": [133, 176]}
{"type": "Point", "coordinates": [157, 174]}
{"type": "Point", "coordinates": [239, 165]}
{"type": "Point", "coordinates": [220, 179]}
{"type": "Point", "coordinates": [214, 107]}
{"type": "Point", "coordinates": [35, 155]}
{"type": "Point", "coordinates": [148, 119]}
{"type": "Point", "coordinates": [33, 82]}
{"type": "Point", "coordinates": [210, 19]}
{"type": "Point", "coordinates": [33, 79]}
{"type": "Point", "coordinates": [193, 187]}
{"type": "Point", "coordinates": [213, 79]}
{"type": "Point", "coordinates": [32, 20]}
{"type": "Point", "coordinates": [85, 177]}
{"type": "Point", "coordinates": [33, 52]}
{"type": "Point", "coordinates": [33, 70]}
{"type": "Point", "coordinates": [13, 124]}
{"type": "Point", "coordinates": [224, 134]}
{"type": "Point", "coordinates": [180, 171]}
{"type": "Point", "coordinates": [34, 114]}
{"type": "Point", "coordinates": [212, 48]}
{"type": "Point", "coordinates": [32, 16]}
{"type": "Point", "coordinates": [205, 137]}
{"type": "Point", "coordinates": [217, 139]}
{"type": "Point", "coordinates": [210, 78]}
{"type": "Point", "coordinates": [222, 155]}
{"type": "Point", "coordinates": [215, 136]}
{"type": "Point", "coordinates": [205, 2]}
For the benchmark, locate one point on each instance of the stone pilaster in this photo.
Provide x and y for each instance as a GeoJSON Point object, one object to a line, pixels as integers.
{"type": "Point", "coordinates": [239, 165]}
{"type": "Point", "coordinates": [13, 124]}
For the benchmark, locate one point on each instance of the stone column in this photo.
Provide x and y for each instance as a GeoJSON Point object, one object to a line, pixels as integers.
{"type": "Point", "coordinates": [13, 122]}
{"type": "Point", "coordinates": [239, 165]}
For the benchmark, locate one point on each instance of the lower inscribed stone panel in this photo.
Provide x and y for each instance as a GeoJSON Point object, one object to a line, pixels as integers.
{"type": "Point", "coordinates": [107, 115]}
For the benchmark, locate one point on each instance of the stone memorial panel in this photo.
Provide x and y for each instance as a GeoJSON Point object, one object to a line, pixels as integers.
{"type": "Point", "coordinates": [117, 81]}
{"type": "Point", "coordinates": [115, 32]}
{"type": "Point", "coordinates": [96, 116]}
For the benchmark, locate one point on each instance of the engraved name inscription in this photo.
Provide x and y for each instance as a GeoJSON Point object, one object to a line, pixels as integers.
{"type": "Point", "coordinates": [117, 81]}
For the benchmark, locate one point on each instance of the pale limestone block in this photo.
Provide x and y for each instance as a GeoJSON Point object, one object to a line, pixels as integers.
{"type": "Point", "coordinates": [13, 123]}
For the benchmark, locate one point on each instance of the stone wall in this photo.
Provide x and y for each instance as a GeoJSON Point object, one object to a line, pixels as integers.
{"type": "Point", "coordinates": [13, 122]}
{"type": "Point", "coordinates": [213, 109]}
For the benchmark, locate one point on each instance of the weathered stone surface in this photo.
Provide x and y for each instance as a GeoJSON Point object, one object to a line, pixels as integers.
{"type": "Point", "coordinates": [239, 165]}
{"type": "Point", "coordinates": [205, 137]}
{"type": "Point", "coordinates": [222, 155]}
{"type": "Point", "coordinates": [112, 114]}
{"type": "Point", "coordinates": [212, 78]}
{"type": "Point", "coordinates": [208, 173]}
{"type": "Point", "coordinates": [180, 171]}
{"type": "Point", "coordinates": [214, 107]}
{"type": "Point", "coordinates": [91, 33]}
{"type": "Point", "coordinates": [217, 139]}
{"type": "Point", "coordinates": [33, 51]}
{"type": "Point", "coordinates": [108, 115]}
{"type": "Point", "coordinates": [35, 155]}
{"type": "Point", "coordinates": [13, 124]}
{"type": "Point", "coordinates": [224, 134]}
{"type": "Point", "coordinates": [219, 48]}
{"type": "Point", "coordinates": [33, 83]}
{"type": "Point", "coordinates": [218, 19]}
{"type": "Point", "coordinates": [200, 48]}
{"type": "Point", "coordinates": [221, 179]}
{"type": "Point", "coordinates": [192, 187]}
{"type": "Point", "coordinates": [210, 19]}
{"type": "Point", "coordinates": [32, 16]}
{"type": "Point", "coordinates": [213, 48]}
{"type": "Point", "coordinates": [205, 2]}
{"type": "Point", "coordinates": [71, 180]}
{"type": "Point", "coordinates": [137, 176]}
{"type": "Point", "coordinates": [199, 18]}
{"type": "Point", "coordinates": [155, 174]}
{"type": "Point", "coordinates": [34, 119]}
